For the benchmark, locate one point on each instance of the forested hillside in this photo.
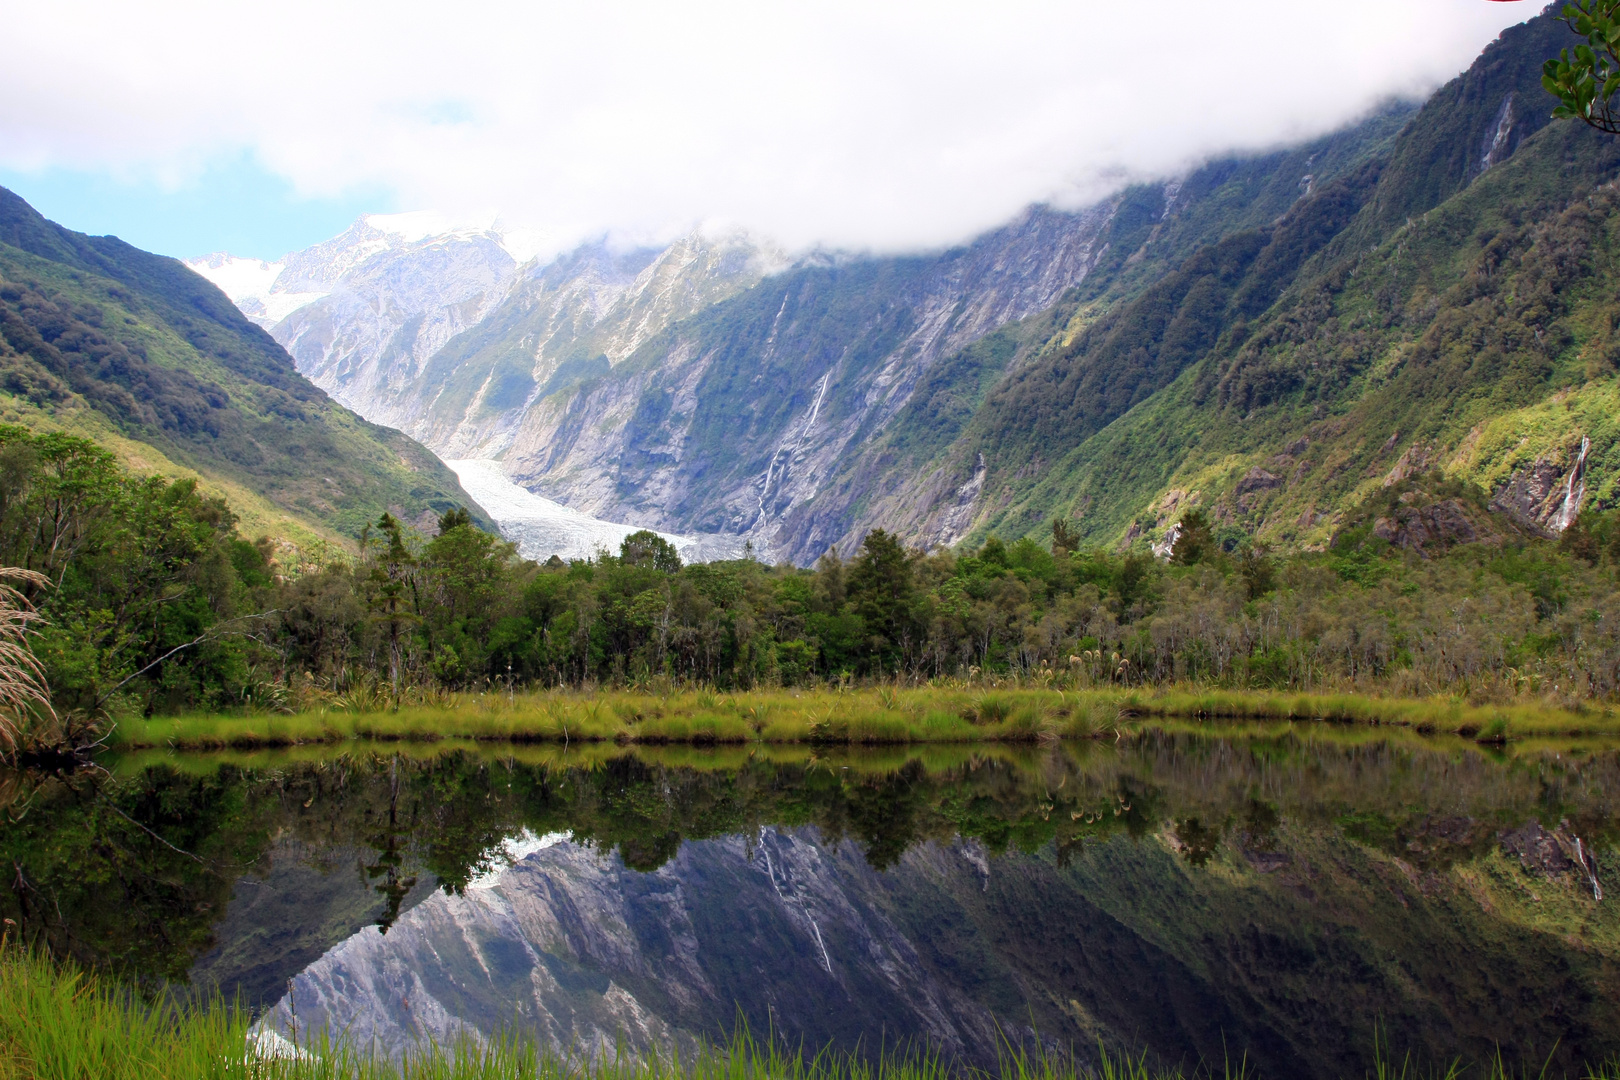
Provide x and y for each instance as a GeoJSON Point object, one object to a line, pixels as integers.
{"type": "Point", "coordinates": [101, 339]}
{"type": "Point", "coordinates": [1445, 307]}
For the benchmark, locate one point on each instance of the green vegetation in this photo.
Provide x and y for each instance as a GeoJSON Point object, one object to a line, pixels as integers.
{"type": "Point", "coordinates": [1438, 310]}
{"type": "Point", "coordinates": [153, 605]}
{"type": "Point", "coordinates": [58, 1024]}
{"type": "Point", "coordinates": [98, 338]}
{"type": "Point", "coordinates": [1585, 80]}
{"type": "Point", "coordinates": [963, 713]}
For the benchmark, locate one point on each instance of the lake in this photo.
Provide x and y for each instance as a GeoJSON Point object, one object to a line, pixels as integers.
{"type": "Point", "coordinates": [1289, 897]}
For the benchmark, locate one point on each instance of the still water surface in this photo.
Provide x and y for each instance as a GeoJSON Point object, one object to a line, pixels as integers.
{"type": "Point", "coordinates": [1283, 896]}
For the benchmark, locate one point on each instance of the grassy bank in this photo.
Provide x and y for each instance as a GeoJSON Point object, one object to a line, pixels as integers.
{"type": "Point", "coordinates": [59, 1024]}
{"type": "Point", "coordinates": [868, 716]}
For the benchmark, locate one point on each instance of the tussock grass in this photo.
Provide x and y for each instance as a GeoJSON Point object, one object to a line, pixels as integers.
{"type": "Point", "coordinates": [874, 716]}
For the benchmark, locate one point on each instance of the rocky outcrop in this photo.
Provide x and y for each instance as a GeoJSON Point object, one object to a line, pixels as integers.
{"type": "Point", "coordinates": [1547, 494]}
{"type": "Point", "coordinates": [1436, 525]}
{"type": "Point", "coordinates": [734, 422]}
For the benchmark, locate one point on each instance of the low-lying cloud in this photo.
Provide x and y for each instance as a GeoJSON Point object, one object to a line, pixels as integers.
{"type": "Point", "coordinates": [882, 126]}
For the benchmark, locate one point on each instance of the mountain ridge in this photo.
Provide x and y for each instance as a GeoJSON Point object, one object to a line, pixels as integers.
{"type": "Point", "coordinates": [96, 334]}
{"type": "Point", "coordinates": [1083, 364]}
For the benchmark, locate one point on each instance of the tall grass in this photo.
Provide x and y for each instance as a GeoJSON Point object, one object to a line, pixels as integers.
{"type": "Point", "coordinates": [943, 713]}
{"type": "Point", "coordinates": [23, 692]}
{"type": "Point", "coordinates": [57, 1023]}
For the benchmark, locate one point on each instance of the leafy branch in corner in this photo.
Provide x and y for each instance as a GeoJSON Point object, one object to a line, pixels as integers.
{"type": "Point", "coordinates": [1584, 79]}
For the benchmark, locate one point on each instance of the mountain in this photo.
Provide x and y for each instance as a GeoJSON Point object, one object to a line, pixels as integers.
{"type": "Point", "coordinates": [1295, 956]}
{"type": "Point", "coordinates": [451, 335]}
{"type": "Point", "coordinates": [716, 387]}
{"type": "Point", "coordinates": [1456, 317]}
{"type": "Point", "coordinates": [1270, 338]}
{"type": "Point", "coordinates": [102, 339]}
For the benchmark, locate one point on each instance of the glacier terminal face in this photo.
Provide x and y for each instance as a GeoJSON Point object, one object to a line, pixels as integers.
{"type": "Point", "coordinates": [541, 528]}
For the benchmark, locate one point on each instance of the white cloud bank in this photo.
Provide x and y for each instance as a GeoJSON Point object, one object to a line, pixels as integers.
{"type": "Point", "coordinates": [862, 125]}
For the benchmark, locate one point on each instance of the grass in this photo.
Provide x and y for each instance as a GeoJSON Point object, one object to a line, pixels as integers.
{"type": "Point", "coordinates": [58, 1023]}
{"type": "Point", "coordinates": [872, 716]}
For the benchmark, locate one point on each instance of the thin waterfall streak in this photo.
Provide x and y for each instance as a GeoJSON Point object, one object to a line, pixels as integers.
{"type": "Point", "coordinates": [1574, 488]}
{"type": "Point", "coordinates": [791, 451]}
{"type": "Point", "coordinates": [804, 908]}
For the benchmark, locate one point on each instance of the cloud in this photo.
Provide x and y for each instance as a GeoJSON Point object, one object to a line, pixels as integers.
{"type": "Point", "coordinates": [864, 125]}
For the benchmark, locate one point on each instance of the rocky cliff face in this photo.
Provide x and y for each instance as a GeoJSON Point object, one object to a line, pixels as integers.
{"type": "Point", "coordinates": [589, 956]}
{"type": "Point", "coordinates": [1281, 951]}
{"type": "Point", "coordinates": [362, 313]}
{"type": "Point", "coordinates": [564, 325]}
{"type": "Point", "coordinates": [729, 421]}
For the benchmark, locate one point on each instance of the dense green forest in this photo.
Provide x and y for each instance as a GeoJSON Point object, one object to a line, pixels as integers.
{"type": "Point", "coordinates": [157, 604]}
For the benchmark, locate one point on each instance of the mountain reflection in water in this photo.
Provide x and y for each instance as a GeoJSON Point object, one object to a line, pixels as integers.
{"type": "Point", "coordinates": [1281, 896]}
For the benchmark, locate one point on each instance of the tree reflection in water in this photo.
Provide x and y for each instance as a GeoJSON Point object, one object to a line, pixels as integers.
{"type": "Point", "coordinates": [1415, 849]}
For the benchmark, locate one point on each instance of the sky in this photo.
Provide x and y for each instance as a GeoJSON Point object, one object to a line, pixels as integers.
{"type": "Point", "coordinates": [880, 125]}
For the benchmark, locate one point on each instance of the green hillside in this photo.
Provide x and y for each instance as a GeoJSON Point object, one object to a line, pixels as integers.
{"type": "Point", "coordinates": [101, 339]}
{"type": "Point", "coordinates": [1447, 304]}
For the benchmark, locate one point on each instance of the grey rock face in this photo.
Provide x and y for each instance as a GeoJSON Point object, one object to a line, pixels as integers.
{"type": "Point", "coordinates": [589, 956]}
{"type": "Point", "coordinates": [1546, 495]}
{"type": "Point", "coordinates": [611, 382]}
{"type": "Point", "coordinates": [740, 427]}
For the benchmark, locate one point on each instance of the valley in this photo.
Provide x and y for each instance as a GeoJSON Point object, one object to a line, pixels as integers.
{"type": "Point", "coordinates": [1266, 338]}
{"type": "Point", "coordinates": [905, 550]}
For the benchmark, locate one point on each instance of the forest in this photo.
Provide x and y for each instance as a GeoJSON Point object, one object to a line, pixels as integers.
{"type": "Point", "coordinates": [149, 602]}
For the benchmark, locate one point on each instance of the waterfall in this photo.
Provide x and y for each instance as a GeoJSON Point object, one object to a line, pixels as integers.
{"type": "Point", "coordinates": [1574, 490]}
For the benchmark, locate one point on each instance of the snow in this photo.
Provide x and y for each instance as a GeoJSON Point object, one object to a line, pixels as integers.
{"type": "Point", "coordinates": [415, 225]}
{"type": "Point", "coordinates": [235, 276]}
{"type": "Point", "coordinates": [542, 528]}
{"type": "Point", "coordinates": [278, 305]}
{"type": "Point", "coordinates": [250, 283]}
{"type": "Point", "coordinates": [521, 243]}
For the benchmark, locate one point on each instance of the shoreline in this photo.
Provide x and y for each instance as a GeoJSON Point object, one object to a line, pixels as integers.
{"type": "Point", "coordinates": [879, 716]}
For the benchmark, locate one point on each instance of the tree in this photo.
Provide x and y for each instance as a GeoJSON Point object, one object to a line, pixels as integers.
{"type": "Point", "coordinates": [452, 519]}
{"type": "Point", "coordinates": [880, 589]}
{"type": "Point", "coordinates": [391, 574]}
{"type": "Point", "coordinates": [1584, 79]}
{"type": "Point", "coordinates": [1194, 539]}
{"type": "Point", "coordinates": [647, 548]}
{"type": "Point", "coordinates": [1064, 536]}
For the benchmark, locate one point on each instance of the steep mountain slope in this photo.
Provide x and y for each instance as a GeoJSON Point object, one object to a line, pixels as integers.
{"type": "Point", "coordinates": [362, 312]}
{"type": "Point", "coordinates": [813, 407]}
{"type": "Point", "coordinates": [711, 387]}
{"type": "Point", "coordinates": [563, 325]}
{"type": "Point", "coordinates": [97, 336]}
{"type": "Point", "coordinates": [728, 419]}
{"type": "Point", "coordinates": [1268, 337]}
{"type": "Point", "coordinates": [445, 333]}
{"type": "Point", "coordinates": [1470, 335]}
